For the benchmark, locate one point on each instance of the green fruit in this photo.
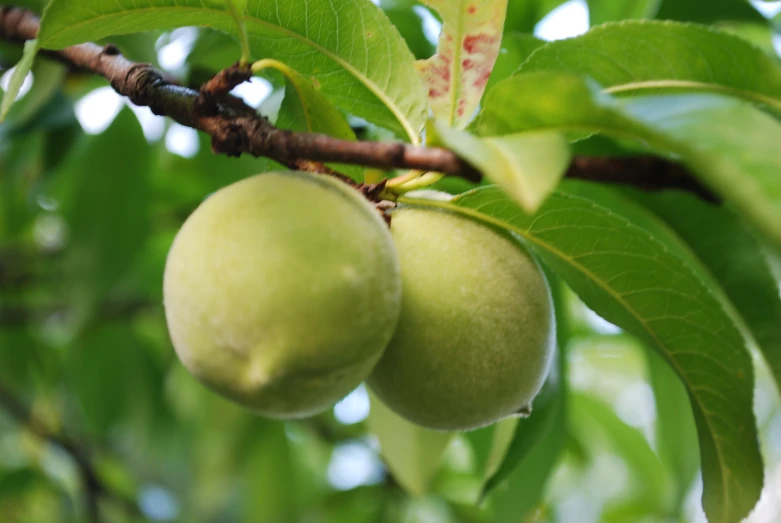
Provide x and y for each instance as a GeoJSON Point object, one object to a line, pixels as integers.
{"type": "Point", "coordinates": [475, 337]}
{"type": "Point", "coordinates": [281, 292]}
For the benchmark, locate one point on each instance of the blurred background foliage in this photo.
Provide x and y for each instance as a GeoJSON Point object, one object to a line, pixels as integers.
{"type": "Point", "coordinates": [95, 409]}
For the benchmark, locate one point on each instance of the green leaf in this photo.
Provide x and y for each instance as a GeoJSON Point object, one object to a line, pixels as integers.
{"type": "Point", "coordinates": [730, 145]}
{"type": "Point", "coordinates": [107, 181]}
{"type": "Point", "coordinates": [523, 490]}
{"type": "Point", "coordinates": [410, 25]}
{"type": "Point", "coordinates": [17, 77]}
{"type": "Point", "coordinates": [516, 49]}
{"type": "Point", "coordinates": [490, 445]}
{"type": "Point", "coordinates": [350, 47]}
{"type": "Point", "coordinates": [524, 16]}
{"type": "Point", "coordinates": [305, 108]}
{"type": "Point", "coordinates": [17, 482]}
{"type": "Point", "coordinates": [270, 480]}
{"type": "Point", "coordinates": [601, 11]}
{"type": "Point", "coordinates": [676, 432]}
{"type": "Point", "coordinates": [530, 432]}
{"type": "Point", "coordinates": [113, 380]}
{"type": "Point", "coordinates": [717, 10]}
{"type": "Point", "coordinates": [632, 280]}
{"type": "Point", "coordinates": [735, 259]}
{"type": "Point", "coordinates": [412, 453]}
{"type": "Point", "coordinates": [653, 57]}
{"type": "Point", "coordinates": [528, 166]}
{"type": "Point", "coordinates": [470, 41]}
{"type": "Point", "coordinates": [48, 76]}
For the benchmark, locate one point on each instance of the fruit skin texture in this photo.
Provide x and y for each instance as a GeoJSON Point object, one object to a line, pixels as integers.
{"type": "Point", "coordinates": [476, 334]}
{"type": "Point", "coordinates": [281, 292]}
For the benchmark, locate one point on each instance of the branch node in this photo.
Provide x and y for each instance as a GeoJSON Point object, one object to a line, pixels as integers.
{"type": "Point", "coordinates": [217, 88]}
{"type": "Point", "coordinates": [110, 50]}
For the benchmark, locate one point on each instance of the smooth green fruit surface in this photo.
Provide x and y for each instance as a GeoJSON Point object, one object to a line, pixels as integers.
{"type": "Point", "coordinates": [281, 292]}
{"type": "Point", "coordinates": [475, 337]}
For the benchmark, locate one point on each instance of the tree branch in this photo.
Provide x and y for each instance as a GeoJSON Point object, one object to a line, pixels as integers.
{"type": "Point", "coordinates": [235, 128]}
{"type": "Point", "coordinates": [94, 488]}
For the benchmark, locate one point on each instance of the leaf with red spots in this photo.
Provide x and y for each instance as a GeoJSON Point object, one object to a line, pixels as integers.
{"type": "Point", "coordinates": [470, 41]}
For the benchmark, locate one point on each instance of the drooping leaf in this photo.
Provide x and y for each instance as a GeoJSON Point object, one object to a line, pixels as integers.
{"type": "Point", "coordinates": [31, 48]}
{"type": "Point", "coordinates": [530, 432]}
{"type": "Point", "coordinates": [350, 48]}
{"type": "Point", "coordinates": [470, 41]}
{"type": "Point", "coordinates": [735, 259]}
{"type": "Point", "coordinates": [730, 145]}
{"type": "Point", "coordinates": [47, 76]}
{"type": "Point", "coordinates": [524, 489]}
{"type": "Point", "coordinates": [721, 249]}
{"type": "Point", "coordinates": [528, 166]}
{"type": "Point", "coordinates": [412, 453]}
{"type": "Point", "coordinates": [676, 432]}
{"type": "Point", "coordinates": [490, 445]}
{"type": "Point", "coordinates": [630, 279]}
{"type": "Point", "coordinates": [652, 57]}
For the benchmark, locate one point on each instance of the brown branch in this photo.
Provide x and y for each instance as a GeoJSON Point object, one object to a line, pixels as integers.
{"type": "Point", "coordinates": [94, 488]}
{"type": "Point", "coordinates": [236, 128]}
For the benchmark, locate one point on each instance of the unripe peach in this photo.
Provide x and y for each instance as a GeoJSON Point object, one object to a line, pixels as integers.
{"type": "Point", "coordinates": [475, 337]}
{"type": "Point", "coordinates": [281, 292]}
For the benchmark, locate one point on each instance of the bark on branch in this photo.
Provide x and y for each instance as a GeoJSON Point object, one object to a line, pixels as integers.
{"type": "Point", "coordinates": [235, 128]}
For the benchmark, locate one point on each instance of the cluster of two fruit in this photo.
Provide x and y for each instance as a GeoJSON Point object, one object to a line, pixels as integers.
{"type": "Point", "coordinates": [285, 291]}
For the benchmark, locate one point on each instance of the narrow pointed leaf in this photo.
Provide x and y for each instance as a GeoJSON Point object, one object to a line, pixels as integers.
{"type": "Point", "coordinates": [632, 280]}
{"type": "Point", "coordinates": [17, 77]}
{"type": "Point", "coordinates": [735, 259]}
{"type": "Point", "coordinates": [349, 46]}
{"type": "Point", "coordinates": [676, 432]}
{"type": "Point", "coordinates": [528, 166]}
{"type": "Point", "coordinates": [470, 41]}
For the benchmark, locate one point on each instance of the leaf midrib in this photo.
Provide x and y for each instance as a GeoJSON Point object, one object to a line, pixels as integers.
{"type": "Point", "coordinates": [457, 72]}
{"type": "Point", "coordinates": [588, 274]}
{"type": "Point", "coordinates": [695, 85]}
{"type": "Point", "coordinates": [371, 86]}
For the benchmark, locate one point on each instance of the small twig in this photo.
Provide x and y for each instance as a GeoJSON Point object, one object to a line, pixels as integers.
{"type": "Point", "coordinates": [94, 488]}
{"type": "Point", "coordinates": [236, 128]}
